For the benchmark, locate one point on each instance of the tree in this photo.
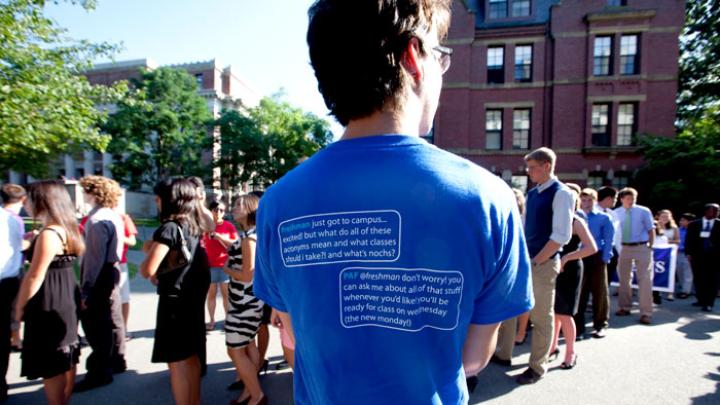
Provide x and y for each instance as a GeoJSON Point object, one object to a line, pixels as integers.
{"type": "Point", "coordinates": [681, 173]}
{"type": "Point", "coordinates": [160, 129]}
{"type": "Point", "coordinates": [699, 60]}
{"type": "Point", "coordinates": [267, 142]}
{"type": "Point", "coordinates": [46, 106]}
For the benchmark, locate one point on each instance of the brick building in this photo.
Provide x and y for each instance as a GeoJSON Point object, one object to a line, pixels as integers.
{"type": "Point", "coordinates": [582, 77]}
{"type": "Point", "coordinates": [218, 84]}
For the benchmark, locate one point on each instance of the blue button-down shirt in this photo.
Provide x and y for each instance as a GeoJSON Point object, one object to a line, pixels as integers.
{"type": "Point", "coordinates": [683, 233]}
{"type": "Point", "coordinates": [641, 222]}
{"type": "Point", "coordinates": [603, 231]}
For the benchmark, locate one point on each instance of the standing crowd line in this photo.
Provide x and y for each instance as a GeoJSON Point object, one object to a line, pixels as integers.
{"type": "Point", "coordinates": [52, 303]}
{"type": "Point", "coordinates": [605, 240]}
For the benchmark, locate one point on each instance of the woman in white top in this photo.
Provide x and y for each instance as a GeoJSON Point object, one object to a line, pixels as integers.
{"type": "Point", "coordinates": [666, 233]}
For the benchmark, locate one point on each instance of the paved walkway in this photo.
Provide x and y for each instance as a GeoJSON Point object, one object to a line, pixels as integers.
{"type": "Point", "coordinates": [675, 361]}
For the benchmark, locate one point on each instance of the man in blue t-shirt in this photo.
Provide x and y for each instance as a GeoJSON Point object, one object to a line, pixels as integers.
{"type": "Point", "coordinates": [390, 261]}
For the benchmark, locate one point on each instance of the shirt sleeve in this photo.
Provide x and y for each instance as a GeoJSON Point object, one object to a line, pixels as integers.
{"type": "Point", "coordinates": [563, 209]}
{"type": "Point", "coordinates": [507, 288]}
{"type": "Point", "coordinates": [97, 236]}
{"type": "Point", "coordinates": [167, 234]}
{"type": "Point", "coordinates": [648, 220]}
{"type": "Point", "coordinates": [608, 232]}
{"type": "Point", "coordinates": [130, 228]}
{"type": "Point", "coordinates": [266, 280]}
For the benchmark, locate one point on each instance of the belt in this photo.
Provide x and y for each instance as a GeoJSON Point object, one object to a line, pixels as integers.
{"type": "Point", "coordinates": [634, 243]}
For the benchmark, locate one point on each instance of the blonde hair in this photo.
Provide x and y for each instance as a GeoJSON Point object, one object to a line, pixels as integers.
{"type": "Point", "coordinates": [105, 191]}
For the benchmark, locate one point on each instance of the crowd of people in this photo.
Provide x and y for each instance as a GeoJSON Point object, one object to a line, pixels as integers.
{"type": "Point", "coordinates": [585, 239]}
{"type": "Point", "coordinates": [52, 303]}
{"type": "Point", "coordinates": [389, 264]}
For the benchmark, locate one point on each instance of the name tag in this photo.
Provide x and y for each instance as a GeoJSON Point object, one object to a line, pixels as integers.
{"type": "Point", "coordinates": [705, 234]}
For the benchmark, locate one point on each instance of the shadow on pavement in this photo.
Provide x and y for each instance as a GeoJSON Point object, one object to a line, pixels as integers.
{"type": "Point", "coordinates": [714, 397]}
{"type": "Point", "coordinates": [700, 329]}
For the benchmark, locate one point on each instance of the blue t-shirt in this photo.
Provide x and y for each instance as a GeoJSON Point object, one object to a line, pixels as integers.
{"type": "Point", "coordinates": [383, 250]}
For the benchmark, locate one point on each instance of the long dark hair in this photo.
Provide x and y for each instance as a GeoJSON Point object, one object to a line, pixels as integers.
{"type": "Point", "coordinates": [50, 199]}
{"type": "Point", "coordinates": [177, 202]}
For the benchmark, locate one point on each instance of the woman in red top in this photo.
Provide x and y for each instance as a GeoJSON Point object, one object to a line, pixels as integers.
{"type": "Point", "coordinates": [216, 244]}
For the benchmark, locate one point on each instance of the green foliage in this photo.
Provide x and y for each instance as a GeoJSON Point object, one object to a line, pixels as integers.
{"type": "Point", "coordinates": [160, 129]}
{"type": "Point", "coordinates": [681, 173]}
{"type": "Point", "coordinates": [267, 142]}
{"type": "Point", "coordinates": [700, 59]}
{"type": "Point", "coordinates": [46, 106]}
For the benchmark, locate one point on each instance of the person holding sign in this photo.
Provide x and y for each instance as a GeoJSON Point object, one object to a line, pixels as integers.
{"type": "Point", "coordinates": [702, 248]}
{"type": "Point", "coordinates": [390, 262]}
{"type": "Point", "coordinates": [637, 231]}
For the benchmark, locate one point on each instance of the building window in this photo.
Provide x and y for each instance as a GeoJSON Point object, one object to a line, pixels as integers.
{"type": "Point", "coordinates": [626, 124]}
{"type": "Point", "coordinates": [520, 8]}
{"type": "Point", "coordinates": [621, 180]}
{"type": "Point", "coordinates": [199, 80]}
{"type": "Point", "coordinates": [596, 180]}
{"type": "Point", "coordinates": [495, 64]}
{"type": "Point", "coordinates": [629, 55]}
{"type": "Point", "coordinates": [519, 182]}
{"type": "Point", "coordinates": [493, 129]}
{"type": "Point", "coordinates": [600, 127]}
{"type": "Point", "coordinates": [521, 129]}
{"type": "Point", "coordinates": [523, 63]}
{"type": "Point", "coordinates": [498, 8]}
{"type": "Point", "coordinates": [602, 59]}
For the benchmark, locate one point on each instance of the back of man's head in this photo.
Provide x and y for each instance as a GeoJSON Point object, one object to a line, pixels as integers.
{"type": "Point", "coordinates": [605, 192]}
{"type": "Point", "coordinates": [12, 193]}
{"type": "Point", "coordinates": [356, 47]}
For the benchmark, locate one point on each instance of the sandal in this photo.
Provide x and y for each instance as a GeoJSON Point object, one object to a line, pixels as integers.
{"type": "Point", "coordinates": [569, 366]}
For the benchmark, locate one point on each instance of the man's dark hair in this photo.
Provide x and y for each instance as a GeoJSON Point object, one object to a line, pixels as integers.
{"type": "Point", "coordinates": [356, 47]}
{"type": "Point", "coordinates": [688, 216]}
{"type": "Point", "coordinates": [605, 192]}
{"type": "Point", "coordinates": [12, 193]}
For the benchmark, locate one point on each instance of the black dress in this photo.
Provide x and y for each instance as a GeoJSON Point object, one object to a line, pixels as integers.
{"type": "Point", "coordinates": [50, 343]}
{"type": "Point", "coordinates": [180, 329]}
{"type": "Point", "coordinates": [567, 285]}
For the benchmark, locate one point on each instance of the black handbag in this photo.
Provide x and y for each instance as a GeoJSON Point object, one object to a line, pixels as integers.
{"type": "Point", "coordinates": [177, 258]}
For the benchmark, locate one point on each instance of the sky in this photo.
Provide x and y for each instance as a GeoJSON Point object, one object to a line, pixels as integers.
{"type": "Point", "coordinates": [263, 40]}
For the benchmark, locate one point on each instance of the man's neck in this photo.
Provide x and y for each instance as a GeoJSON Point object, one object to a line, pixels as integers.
{"type": "Point", "coordinates": [14, 208]}
{"type": "Point", "coordinates": [627, 207]}
{"type": "Point", "coordinates": [381, 123]}
{"type": "Point", "coordinates": [586, 210]}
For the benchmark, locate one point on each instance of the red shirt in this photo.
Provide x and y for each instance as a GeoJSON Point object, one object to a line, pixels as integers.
{"type": "Point", "coordinates": [130, 230]}
{"type": "Point", "coordinates": [217, 253]}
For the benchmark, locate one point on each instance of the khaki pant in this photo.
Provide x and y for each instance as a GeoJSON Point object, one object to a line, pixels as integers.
{"type": "Point", "coordinates": [543, 313]}
{"type": "Point", "coordinates": [642, 256]}
{"type": "Point", "coordinates": [506, 338]}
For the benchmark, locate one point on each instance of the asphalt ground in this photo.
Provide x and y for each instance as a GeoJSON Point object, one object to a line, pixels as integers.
{"type": "Point", "coordinates": [674, 361]}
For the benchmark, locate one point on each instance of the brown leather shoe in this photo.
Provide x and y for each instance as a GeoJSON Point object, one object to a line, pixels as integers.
{"type": "Point", "coordinates": [645, 320]}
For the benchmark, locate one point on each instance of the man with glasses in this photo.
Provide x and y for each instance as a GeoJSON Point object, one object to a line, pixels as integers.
{"type": "Point", "coordinates": [549, 208]}
{"type": "Point", "coordinates": [390, 261]}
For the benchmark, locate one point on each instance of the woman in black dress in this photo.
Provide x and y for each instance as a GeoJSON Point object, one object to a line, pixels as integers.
{"type": "Point", "coordinates": [567, 285]}
{"type": "Point", "coordinates": [49, 297]}
{"type": "Point", "coordinates": [180, 267]}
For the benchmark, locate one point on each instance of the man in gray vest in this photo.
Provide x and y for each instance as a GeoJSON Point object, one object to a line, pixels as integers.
{"type": "Point", "coordinates": [548, 226]}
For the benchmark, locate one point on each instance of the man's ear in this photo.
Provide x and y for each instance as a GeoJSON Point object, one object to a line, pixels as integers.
{"type": "Point", "coordinates": [410, 59]}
